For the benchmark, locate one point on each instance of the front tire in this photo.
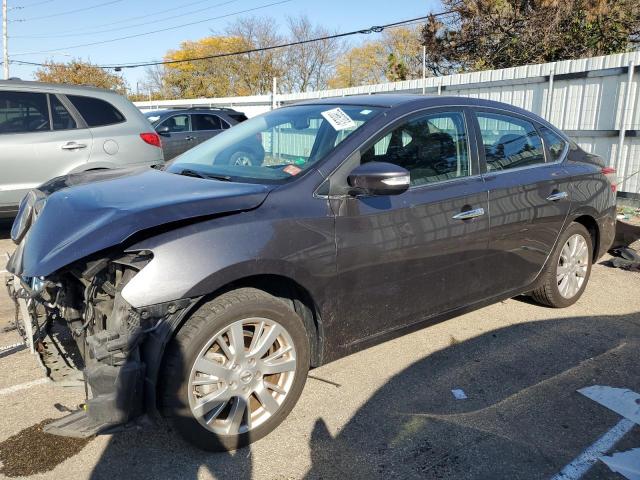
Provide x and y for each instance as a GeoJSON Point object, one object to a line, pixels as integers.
{"type": "Point", "coordinates": [235, 370]}
{"type": "Point", "coordinates": [567, 272]}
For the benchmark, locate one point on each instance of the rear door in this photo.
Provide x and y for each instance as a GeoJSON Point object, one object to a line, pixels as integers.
{"type": "Point", "coordinates": [404, 258]}
{"type": "Point", "coordinates": [528, 195]}
{"type": "Point", "coordinates": [205, 126]}
{"type": "Point", "coordinates": [39, 139]}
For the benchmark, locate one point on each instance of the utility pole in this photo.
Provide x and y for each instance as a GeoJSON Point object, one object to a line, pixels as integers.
{"type": "Point", "coordinates": [5, 36]}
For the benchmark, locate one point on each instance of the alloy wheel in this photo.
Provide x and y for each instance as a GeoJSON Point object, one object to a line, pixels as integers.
{"type": "Point", "coordinates": [572, 266]}
{"type": "Point", "coordinates": [241, 376]}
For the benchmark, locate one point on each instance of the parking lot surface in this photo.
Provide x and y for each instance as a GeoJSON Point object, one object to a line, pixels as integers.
{"type": "Point", "coordinates": [386, 412]}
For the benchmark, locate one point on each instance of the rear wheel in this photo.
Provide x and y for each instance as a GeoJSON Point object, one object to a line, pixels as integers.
{"type": "Point", "coordinates": [235, 370]}
{"type": "Point", "coordinates": [567, 273]}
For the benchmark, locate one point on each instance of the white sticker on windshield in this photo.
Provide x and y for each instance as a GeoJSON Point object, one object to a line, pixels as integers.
{"type": "Point", "coordinates": [338, 119]}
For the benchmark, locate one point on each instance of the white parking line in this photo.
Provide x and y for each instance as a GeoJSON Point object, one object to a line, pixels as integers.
{"type": "Point", "coordinates": [23, 386]}
{"type": "Point", "coordinates": [622, 401]}
{"type": "Point", "coordinates": [583, 462]}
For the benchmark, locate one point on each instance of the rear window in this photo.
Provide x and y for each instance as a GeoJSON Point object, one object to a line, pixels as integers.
{"type": "Point", "coordinates": [62, 119]}
{"type": "Point", "coordinates": [23, 112]}
{"type": "Point", "coordinates": [96, 112]}
{"type": "Point", "coordinates": [238, 117]}
{"type": "Point", "coordinates": [205, 122]}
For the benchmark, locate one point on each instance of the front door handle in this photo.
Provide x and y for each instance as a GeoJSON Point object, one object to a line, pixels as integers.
{"type": "Point", "coordinates": [189, 138]}
{"type": "Point", "coordinates": [555, 196]}
{"type": "Point", "coordinates": [469, 214]}
{"type": "Point", "coordinates": [73, 146]}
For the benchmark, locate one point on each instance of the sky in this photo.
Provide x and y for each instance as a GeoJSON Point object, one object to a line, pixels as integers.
{"type": "Point", "coordinates": [54, 29]}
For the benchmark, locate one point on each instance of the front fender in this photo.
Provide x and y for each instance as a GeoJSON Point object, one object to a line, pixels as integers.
{"type": "Point", "coordinates": [198, 259]}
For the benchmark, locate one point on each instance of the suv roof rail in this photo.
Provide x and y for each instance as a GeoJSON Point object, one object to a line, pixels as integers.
{"type": "Point", "coordinates": [226, 109]}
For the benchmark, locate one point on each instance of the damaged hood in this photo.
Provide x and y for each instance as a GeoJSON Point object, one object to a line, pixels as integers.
{"type": "Point", "coordinates": [71, 217]}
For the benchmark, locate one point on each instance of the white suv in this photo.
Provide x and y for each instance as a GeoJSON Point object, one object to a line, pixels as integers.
{"type": "Point", "coordinates": [48, 130]}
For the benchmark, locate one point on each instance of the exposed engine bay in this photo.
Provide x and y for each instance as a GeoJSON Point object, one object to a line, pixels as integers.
{"type": "Point", "coordinates": [78, 320]}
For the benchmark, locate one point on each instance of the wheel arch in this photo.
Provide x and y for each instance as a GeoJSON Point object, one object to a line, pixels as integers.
{"type": "Point", "coordinates": [589, 222]}
{"type": "Point", "coordinates": [277, 285]}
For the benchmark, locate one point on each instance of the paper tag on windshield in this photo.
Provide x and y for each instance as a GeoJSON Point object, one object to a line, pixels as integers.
{"type": "Point", "coordinates": [338, 119]}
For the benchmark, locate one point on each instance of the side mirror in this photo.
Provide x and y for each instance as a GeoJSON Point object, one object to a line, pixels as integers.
{"type": "Point", "coordinates": [379, 178]}
{"type": "Point", "coordinates": [164, 131]}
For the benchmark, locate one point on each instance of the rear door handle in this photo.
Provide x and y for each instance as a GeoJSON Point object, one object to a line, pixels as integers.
{"type": "Point", "coordinates": [555, 196]}
{"type": "Point", "coordinates": [73, 146]}
{"type": "Point", "coordinates": [469, 214]}
{"type": "Point", "coordinates": [189, 138]}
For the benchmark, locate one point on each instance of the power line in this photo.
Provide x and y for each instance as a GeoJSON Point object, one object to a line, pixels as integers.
{"type": "Point", "coordinates": [68, 12]}
{"type": "Point", "coordinates": [92, 29]}
{"type": "Point", "coordinates": [157, 31]}
{"type": "Point", "coordinates": [20, 7]}
{"type": "Point", "coordinates": [366, 31]}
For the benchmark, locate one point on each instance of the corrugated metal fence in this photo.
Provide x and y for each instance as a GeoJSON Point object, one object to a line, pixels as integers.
{"type": "Point", "coordinates": [595, 100]}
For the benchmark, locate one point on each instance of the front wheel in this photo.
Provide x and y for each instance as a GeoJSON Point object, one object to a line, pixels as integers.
{"type": "Point", "coordinates": [235, 370]}
{"type": "Point", "coordinates": [567, 272]}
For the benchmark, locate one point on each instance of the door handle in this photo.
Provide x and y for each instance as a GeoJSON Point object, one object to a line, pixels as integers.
{"type": "Point", "coordinates": [73, 146]}
{"type": "Point", "coordinates": [555, 196]}
{"type": "Point", "coordinates": [189, 138]}
{"type": "Point", "coordinates": [469, 214]}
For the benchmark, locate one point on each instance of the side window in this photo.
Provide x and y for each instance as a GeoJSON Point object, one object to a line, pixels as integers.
{"type": "Point", "coordinates": [205, 122]}
{"type": "Point", "coordinates": [509, 142]}
{"type": "Point", "coordinates": [23, 112]}
{"type": "Point", "coordinates": [177, 124]}
{"type": "Point", "coordinates": [62, 119]}
{"type": "Point", "coordinates": [432, 147]}
{"type": "Point", "coordinates": [555, 144]}
{"type": "Point", "coordinates": [96, 112]}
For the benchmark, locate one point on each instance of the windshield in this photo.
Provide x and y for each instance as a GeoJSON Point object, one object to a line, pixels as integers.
{"type": "Point", "coordinates": [274, 147]}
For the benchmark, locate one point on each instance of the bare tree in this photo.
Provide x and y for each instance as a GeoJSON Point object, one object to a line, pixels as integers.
{"type": "Point", "coordinates": [259, 67]}
{"type": "Point", "coordinates": [310, 65]}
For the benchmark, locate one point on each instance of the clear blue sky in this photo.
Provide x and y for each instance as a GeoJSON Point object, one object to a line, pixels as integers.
{"type": "Point", "coordinates": [58, 26]}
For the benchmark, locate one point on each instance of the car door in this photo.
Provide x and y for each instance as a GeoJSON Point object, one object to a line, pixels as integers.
{"type": "Point", "coordinates": [39, 139]}
{"type": "Point", "coordinates": [403, 258]}
{"type": "Point", "coordinates": [528, 196]}
{"type": "Point", "coordinates": [205, 126]}
{"type": "Point", "coordinates": [176, 135]}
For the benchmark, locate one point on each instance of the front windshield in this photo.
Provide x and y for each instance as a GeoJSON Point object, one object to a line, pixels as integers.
{"type": "Point", "coordinates": [273, 147]}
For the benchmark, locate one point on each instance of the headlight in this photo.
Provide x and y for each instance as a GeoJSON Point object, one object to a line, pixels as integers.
{"type": "Point", "coordinates": [38, 284]}
{"type": "Point", "coordinates": [30, 207]}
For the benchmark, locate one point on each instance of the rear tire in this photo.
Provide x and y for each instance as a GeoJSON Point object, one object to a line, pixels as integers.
{"type": "Point", "coordinates": [567, 272]}
{"type": "Point", "coordinates": [219, 397]}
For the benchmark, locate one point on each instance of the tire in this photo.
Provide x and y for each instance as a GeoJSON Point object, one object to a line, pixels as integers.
{"type": "Point", "coordinates": [243, 158]}
{"type": "Point", "coordinates": [554, 291]}
{"type": "Point", "coordinates": [203, 334]}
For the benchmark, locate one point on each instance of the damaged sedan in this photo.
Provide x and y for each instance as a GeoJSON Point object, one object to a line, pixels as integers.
{"type": "Point", "coordinates": [203, 290]}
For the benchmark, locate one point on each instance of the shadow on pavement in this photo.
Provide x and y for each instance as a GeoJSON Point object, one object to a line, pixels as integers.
{"type": "Point", "coordinates": [522, 419]}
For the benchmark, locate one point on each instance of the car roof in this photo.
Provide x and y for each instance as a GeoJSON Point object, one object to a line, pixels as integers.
{"type": "Point", "coordinates": [419, 101]}
{"type": "Point", "coordinates": [52, 87]}
{"type": "Point", "coordinates": [167, 111]}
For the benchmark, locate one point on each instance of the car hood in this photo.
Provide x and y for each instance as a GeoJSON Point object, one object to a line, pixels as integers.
{"type": "Point", "coordinates": [71, 217]}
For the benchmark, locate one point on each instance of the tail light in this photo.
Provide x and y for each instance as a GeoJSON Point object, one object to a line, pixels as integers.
{"type": "Point", "coordinates": [610, 173]}
{"type": "Point", "coordinates": [151, 139]}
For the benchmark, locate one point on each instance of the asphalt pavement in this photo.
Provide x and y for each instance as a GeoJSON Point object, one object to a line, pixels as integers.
{"type": "Point", "coordinates": [389, 411]}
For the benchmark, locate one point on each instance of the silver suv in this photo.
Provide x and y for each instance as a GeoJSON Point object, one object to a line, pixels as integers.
{"type": "Point", "coordinates": [48, 130]}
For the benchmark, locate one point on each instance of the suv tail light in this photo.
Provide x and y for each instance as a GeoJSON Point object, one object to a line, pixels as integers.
{"type": "Point", "coordinates": [610, 173]}
{"type": "Point", "coordinates": [151, 139]}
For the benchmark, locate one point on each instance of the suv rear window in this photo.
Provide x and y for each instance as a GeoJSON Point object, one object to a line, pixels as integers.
{"type": "Point", "coordinates": [22, 112]}
{"type": "Point", "coordinates": [238, 117]}
{"type": "Point", "coordinates": [96, 112]}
